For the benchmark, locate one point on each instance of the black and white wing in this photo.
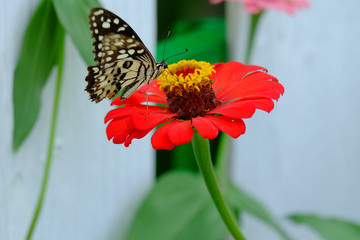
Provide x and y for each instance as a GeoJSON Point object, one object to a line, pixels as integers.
{"type": "Point", "coordinates": [124, 62]}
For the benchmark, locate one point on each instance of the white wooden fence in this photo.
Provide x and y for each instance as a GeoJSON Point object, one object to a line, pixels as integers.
{"type": "Point", "coordinates": [304, 157]}
{"type": "Point", "coordinates": [94, 185]}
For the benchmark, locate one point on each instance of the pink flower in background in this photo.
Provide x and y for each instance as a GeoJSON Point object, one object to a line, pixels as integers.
{"type": "Point", "coordinates": [256, 6]}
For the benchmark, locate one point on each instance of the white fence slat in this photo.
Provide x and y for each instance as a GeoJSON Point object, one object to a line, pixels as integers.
{"type": "Point", "coordinates": [94, 185]}
{"type": "Point", "coordinates": [304, 156]}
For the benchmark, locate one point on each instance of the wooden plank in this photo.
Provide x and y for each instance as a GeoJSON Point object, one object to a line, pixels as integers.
{"type": "Point", "coordinates": [95, 185]}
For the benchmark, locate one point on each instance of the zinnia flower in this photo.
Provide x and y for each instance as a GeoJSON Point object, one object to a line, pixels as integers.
{"type": "Point", "coordinates": [256, 6]}
{"type": "Point", "coordinates": [191, 96]}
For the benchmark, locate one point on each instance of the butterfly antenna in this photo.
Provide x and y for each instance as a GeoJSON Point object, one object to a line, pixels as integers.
{"type": "Point", "coordinates": [164, 59]}
{"type": "Point", "coordinates": [177, 54]}
{"type": "Point", "coordinates": [165, 43]}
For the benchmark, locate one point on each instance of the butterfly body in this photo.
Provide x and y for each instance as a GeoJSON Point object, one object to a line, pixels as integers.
{"type": "Point", "coordinates": [124, 62]}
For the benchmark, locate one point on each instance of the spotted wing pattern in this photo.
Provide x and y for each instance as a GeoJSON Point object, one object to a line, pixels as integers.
{"type": "Point", "coordinates": [123, 61]}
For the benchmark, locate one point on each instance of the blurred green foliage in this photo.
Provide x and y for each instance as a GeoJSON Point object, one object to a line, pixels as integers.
{"type": "Point", "coordinates": [39, 52]}
{"type": "Point", "coordinates": [330, 228]}
{"type": "Point", "coordinates": [242, 201]}
{"type": "Point", "coordinates": [179, 207]}
{"type": "Point", "coordinates": [170, 12]}
{"type": "Point", "coordinates": [204, 38]}
{"type": "Point", "coordinates": [37, 58]}
{"type": "Point", "coordinates": [73, 15]}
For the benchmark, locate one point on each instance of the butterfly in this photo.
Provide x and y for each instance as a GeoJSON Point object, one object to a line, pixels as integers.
{"type": "Point", "coordinates": [123, 61]}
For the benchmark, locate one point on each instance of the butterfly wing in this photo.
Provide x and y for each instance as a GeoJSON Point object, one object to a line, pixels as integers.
{"type": "Point", "coordinates": [103, 22]}
{"type": "Point", "coordinates": [124, 63]}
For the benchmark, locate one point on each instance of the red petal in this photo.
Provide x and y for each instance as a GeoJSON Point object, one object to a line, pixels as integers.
{"type": "Point", "coordinates": [171, 134]}
{"type": "Point", "coordinates": [121, 131]}
{"type": "Point", "coordinates": [180, 132]}
{"type": "Point", "coordinates": [263, 104]}
{"type": "Point", "coordinates": [137, 135]}
{"type": "Point", "coordinates": [227, 73]}
{"type": "Point", "coordinates": [157, 97]}
{"type": "Point", "coordinates": [256, 83]}
{"type": "Point", "coordinates": [205, 127]}
{"type": "Point", "coordinates": [116, 101]}
{"type": "Point", "coordinates": [128, 110]}
{"type": "Point", "coordinates": [160, 139]}
{"type": "Point", "coordinates": [258, 76]}
{"type": "Point", "coordinates": [244, 108]}
{"type": "Point", "coordinates": [154, 88]}
{"type": "Point", "coordinates": [146, 109]}
{"type": "Point", "coordinates": [234, 128]}
{"type": "Point", "coordinates": [253, 80]}
{"type": "Point", "coordinates": [218, 66]}
{"type": "Point", "coordinates": [150, 120]}
{"type": "Point", "coordinates": [118, 130]}
{"type": "Point", "coordinates": [138, 98]}
{"type": "Point", "coordinates": [118, 113]}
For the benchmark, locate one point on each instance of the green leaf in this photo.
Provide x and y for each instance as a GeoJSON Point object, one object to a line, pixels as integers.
{"type": "Point", "coordinates": [74, 17]}
{"type": "Point", "coordinates": [37, 58]}
{"type": "Point", "coordinates": [330, 228]}
{"type": "Point", "coordinates": [241, 200]}
{"type": "Point", "coordinates": [178, 207]}
{"type": "Point", "coordinates": [205, 39]}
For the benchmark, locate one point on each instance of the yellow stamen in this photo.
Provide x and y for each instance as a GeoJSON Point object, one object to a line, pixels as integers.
{"type": "Point", "coordinates": [188, 88]}
{"type": "Point", "coordinates": [188, 74]}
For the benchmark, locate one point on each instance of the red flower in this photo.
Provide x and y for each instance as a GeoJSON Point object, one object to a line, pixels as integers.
{"type": "Point", "coordinates": [200, 96]}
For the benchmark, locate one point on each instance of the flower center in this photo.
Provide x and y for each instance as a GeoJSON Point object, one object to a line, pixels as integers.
{"type": "Point", "coordinates": [188, 88]}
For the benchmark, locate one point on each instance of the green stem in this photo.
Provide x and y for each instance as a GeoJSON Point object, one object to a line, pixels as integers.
{"type": "Point", "coordinates": [222, 157]}
{"type": "Point", "coordinates": [52, 135]}
{"type": "Point", "coordinates": [202, 154]}
{"type": "Point", "coordinates": [253, 25]}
